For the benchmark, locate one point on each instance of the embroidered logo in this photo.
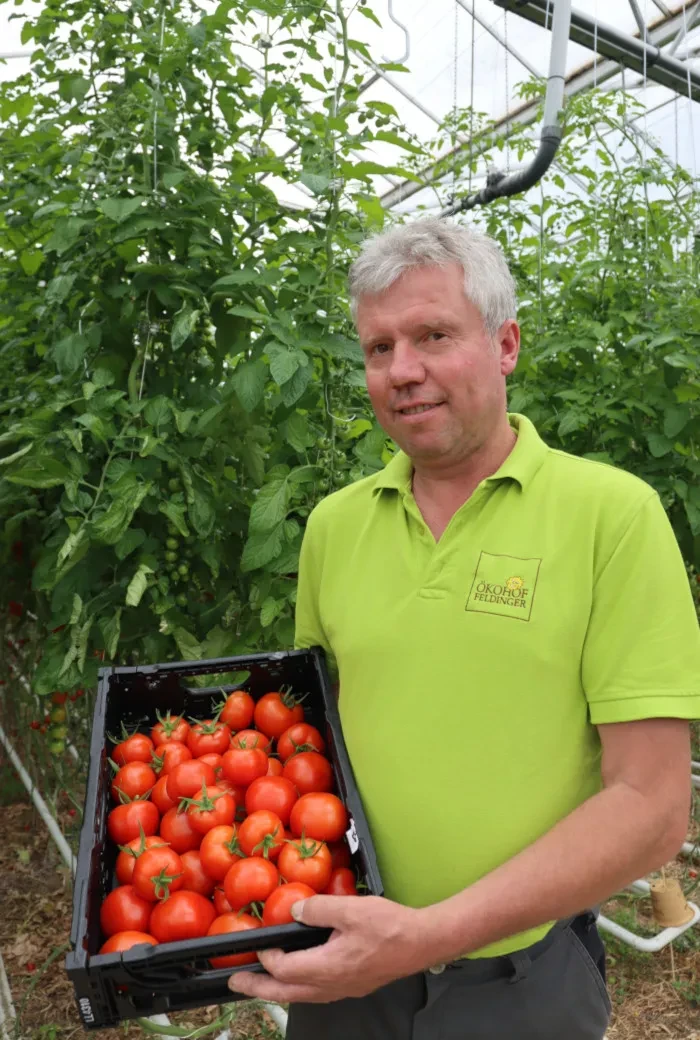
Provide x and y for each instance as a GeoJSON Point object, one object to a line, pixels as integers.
{"type": "Point", "coordinates": [504, 585]}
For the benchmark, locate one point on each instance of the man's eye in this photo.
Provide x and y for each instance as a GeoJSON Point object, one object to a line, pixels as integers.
{"type": "Point", "coordinates": [436, 336]}
{"type": "Point", "coordinates": [379, 348]}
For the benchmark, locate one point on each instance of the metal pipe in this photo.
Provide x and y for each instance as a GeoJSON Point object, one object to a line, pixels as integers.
{"type": "Point", "coordinates": [638, 55]}
{"type": "Point", "coordinates": [685, 29]}
{"type": "Point", "coordinates": [41, 806]}
{"type": "Point", "coordinates": [500, 185]}
{"type": "Point", "coordinates": [656, 942]}
{"type": "Point", "coordinates": [641, 24]}
{"type": "Point", "coordinates": [406, 37]}
{"type": "Point", "coordinates": [278, 1015]}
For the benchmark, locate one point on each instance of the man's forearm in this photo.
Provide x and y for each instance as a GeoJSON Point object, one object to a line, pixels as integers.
{"type": "Point", "coordinates": [597, 850]}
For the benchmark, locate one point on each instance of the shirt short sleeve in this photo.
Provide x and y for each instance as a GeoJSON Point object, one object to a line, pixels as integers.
{"type": "Point", "coordinates": [641, 656]}
{"type": "Point", "coordinates": [309, 630]}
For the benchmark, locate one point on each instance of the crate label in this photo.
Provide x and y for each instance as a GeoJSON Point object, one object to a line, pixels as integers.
{"type": "Point", "coordinates": [86, 1010]}
{"type": "Point", "coordinates": [351, 835]}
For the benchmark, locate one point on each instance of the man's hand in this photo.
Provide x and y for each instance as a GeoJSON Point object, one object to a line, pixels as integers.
{"type": "Point", "coordinates": [374, 942]}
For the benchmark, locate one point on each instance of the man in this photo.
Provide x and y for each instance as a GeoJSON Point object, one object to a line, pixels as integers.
{"type": "Point", "coordinates": [517, 651]}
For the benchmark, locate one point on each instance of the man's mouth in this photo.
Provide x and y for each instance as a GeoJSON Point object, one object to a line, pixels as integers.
{"type": "Point", "coordinates": [418, 408]}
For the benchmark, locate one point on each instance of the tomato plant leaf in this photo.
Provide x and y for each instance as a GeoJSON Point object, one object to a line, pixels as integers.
{"type": "Point", "coordinates": [40, 471]}
{"type": "Point", "coordinates": [270, 505]}
{"type": "Point", "coordinates": [138, 585]}
{"type": "Point", "coordinates": [249, 381]}
{"type": "Point", "coordinates": [261, 548]}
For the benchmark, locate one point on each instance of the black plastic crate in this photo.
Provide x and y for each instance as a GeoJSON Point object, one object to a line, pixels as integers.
{"type": "Point", "coordinates": [175, 976]}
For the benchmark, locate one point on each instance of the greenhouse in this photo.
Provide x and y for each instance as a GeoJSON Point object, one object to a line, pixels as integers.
{"type": "Point", "coordinates": [350, 385]}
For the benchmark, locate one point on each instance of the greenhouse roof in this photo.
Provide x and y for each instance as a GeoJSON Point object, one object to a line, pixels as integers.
{"type": "Point", "coordinates": [460, 54]}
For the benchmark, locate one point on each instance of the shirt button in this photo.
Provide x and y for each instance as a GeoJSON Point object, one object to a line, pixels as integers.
{"type": "Point", "coordinates": [437, 969]}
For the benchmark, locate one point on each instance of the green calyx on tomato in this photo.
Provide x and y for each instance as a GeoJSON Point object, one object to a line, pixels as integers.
{"type": "Point", "coordinates": [306, 847]}
{"type": "Point", "coordinates": [161, 884]}
{"type": "Point", "coordinates": [169, 722]}
{"type": "Point", "coordinates": [205, 802]}
{"type": "Point", "coordinates": [142, 846]}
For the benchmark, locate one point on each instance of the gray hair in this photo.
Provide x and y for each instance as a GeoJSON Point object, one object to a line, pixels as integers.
{"type": "Point", "coordinates": [488, 283]}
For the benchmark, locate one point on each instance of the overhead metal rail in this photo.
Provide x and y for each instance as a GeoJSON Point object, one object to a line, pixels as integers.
{"type": "Point", "coordinates": [634, 53]}
{"type": "Point", "coordinates": [594, 72]}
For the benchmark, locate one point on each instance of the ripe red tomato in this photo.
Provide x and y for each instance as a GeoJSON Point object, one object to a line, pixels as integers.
{"type": "Point", "coordinates": [134, 780]}
{"type": "Point", "coordinates": [123, 822]}
{"type": "Point", "coordinates": [208, 736]}
{"type": "Point", "coordinates": [308, 862]}
{"type": "Point", "coordinates": [168, 755]}
{"type": "Point", "coordinates": [124, 910]}
{"type": "Point", "coordinates": [169, 728]}
{"type": "Point", "coordinates": [138, 748]}
{"type": "Point", "coordinates": [309, 771]}
{"type": "Point", "coordinates": [158, 873]}
{"type": "Point", "coordinates": [250, 738]}
{"type": "Point", "coordinates": [126, 860]}
{"type": "Point", "coordinates": [300, 737]}
{"type": "Point", "coordinates": [195, 879]}
{"type": "Point", "coordinates": [218, 851]}
{"type": "Point", "coordinates": [274, 767]}
{"type": "Point", "coordinates": [250, 881]}
{"type": "Point", "coordinates": [262, 834]}
{"type": "Point", "coordinates": [213, 807]}
{"type": "Point", "coordinates": [279, 903]}
{"type": "Point", "coordinates": [276, 712]}
{"type": "Point", "coordinates": [233, 923]}
{"type": "Point", "coordinates": [186, 779]}
{"type": "Point", "coordinates": [340, 854]}
{"type": "Point", "coordinates": [238, 710]}
{"type": "Point", "coordinates": [243, 765]}
{"type": "Point", "coordinates": [185, 915]}
{"type": "Point", "coordinates": [176, 828]}
{"type": "Point", "coordinates": [319, 815]}
{"type": "Point", "coordinates": [160, 797]}
{"type": "Point", "coordinates": [221, 903]}
{"type": "Point", "coordinates": [125, 940]}
{"type": "Point", "coordinates": [341, 883]}
{"type": "Point", "coordinates": [271, 792]}
{"type": "Point", "coordinates": [214, 761]}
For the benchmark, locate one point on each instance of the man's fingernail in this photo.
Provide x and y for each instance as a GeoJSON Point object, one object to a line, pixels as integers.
{"type": "Point", "coordinates": [297, 911]}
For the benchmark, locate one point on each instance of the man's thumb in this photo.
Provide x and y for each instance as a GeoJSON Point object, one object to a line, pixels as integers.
{"type": "Point", "coordinates": [321, 911]}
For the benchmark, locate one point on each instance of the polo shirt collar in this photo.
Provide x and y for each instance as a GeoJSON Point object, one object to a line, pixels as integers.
{"type": "Point", "coordinates": [521, 465]}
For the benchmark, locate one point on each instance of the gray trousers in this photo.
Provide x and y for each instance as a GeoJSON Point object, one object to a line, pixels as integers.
{"type": "Point", "coordinates": [554, 990]}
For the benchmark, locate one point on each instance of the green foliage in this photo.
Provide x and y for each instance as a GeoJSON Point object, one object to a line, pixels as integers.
{"type": "Point", "coordinates": [179, 378]}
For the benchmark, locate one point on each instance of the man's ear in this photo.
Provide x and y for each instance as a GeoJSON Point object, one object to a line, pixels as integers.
{"type": "Point", "coordinates": [508, 345]}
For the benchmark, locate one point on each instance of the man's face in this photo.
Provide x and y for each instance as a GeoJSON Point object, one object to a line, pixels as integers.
{"type": "Point", "coordinates": [425, 344]}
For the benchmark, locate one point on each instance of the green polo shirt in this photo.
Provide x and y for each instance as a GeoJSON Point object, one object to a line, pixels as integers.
{"type": "Point", "coordinates": [474, 670]}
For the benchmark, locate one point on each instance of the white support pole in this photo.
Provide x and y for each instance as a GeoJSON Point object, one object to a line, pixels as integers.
{"type": "Point", "coordinates": [41, 806]}
{"type": "Point", "coordinates": [7, 1008]}
{"type": "Point", "coordinates": [278, 1016]}
{"type": "Point", "coordinates": [656, 942]}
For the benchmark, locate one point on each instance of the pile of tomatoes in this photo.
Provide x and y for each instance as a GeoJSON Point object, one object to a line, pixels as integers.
{"type": "Point", "coordinates": [222, 825]}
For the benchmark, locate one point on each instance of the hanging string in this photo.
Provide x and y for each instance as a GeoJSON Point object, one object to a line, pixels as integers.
{"type": "Point", "coordinates": [596, 236]}
{"type": "Point", "coordinates": [646, 156]}
{"type": "Point", "coordinates": [454, 105]}
{"type": "Point", "coordinates": [471, 108]}
{"type": "Point", "coordinates": [693, 191]}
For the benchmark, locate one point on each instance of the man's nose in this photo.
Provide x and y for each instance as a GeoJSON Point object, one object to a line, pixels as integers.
{"type": "Point", "coordinates": [406, 364]}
